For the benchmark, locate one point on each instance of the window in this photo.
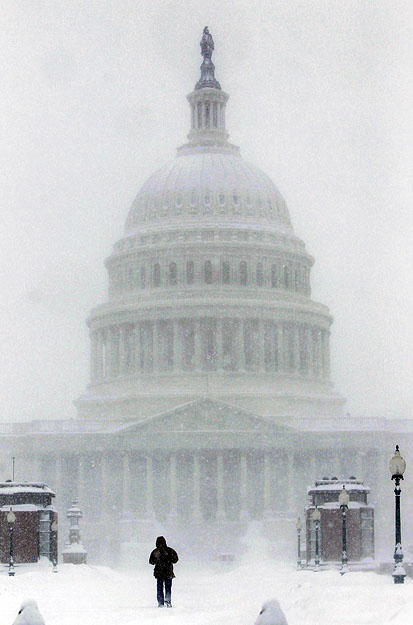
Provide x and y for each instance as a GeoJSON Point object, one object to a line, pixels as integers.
{"type": "Point", "coordinates": [193, 198]}
{"type": "Point", "coordinates": [226, 272]}
{"type": "Point", "coordinates": [286, 277]}
{"type": "Point", "coordinates": [172, 273]}
{"type": "Point", "coordinates": [208, 272]}
{"type": "Point", "coordinates": [235, 199]}
{"type": "Point", "coordinates": [221, 199]}
{"type": "Point", "coordinates": [207, 199]}
{"type": "Point", "coordinates": [207, 114]}
{"type": "Point", "coordinates": [190, 272]}
{"type": "Point", "coordinates": [274, 276]}
{"type": "Point", "coordinates": [199, 113]}
{"type": "Point", "coordinates": [260, 275]}
{"type": "Point", "coordinates": [243, 278]}
{"type": "Point", "coordinates": [156, 275]}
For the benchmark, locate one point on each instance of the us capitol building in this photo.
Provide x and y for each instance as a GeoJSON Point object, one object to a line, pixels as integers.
{"type": "Point", "coordinates": [210, 402]}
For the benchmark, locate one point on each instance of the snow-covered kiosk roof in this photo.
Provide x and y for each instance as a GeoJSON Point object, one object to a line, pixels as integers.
{"type": "Point", "coordinates": [25, 493]}
{"type": "Point", "coordinates": [326, 491]}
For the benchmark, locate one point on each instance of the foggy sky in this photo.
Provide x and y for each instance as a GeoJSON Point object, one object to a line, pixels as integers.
{"type": "Point", "coordinates": [93, 100]}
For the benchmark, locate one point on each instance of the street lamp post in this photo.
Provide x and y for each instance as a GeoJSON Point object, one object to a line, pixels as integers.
{"type": "Point", "coordinates": [397, 468]}
{"type": "Point", "coordinates": [53, 536]}
{"type": "Point", "coordinates": [316, 516]}
{"type": "Point", "coordinates": [11, 519]}
{"type": "Point", "coordinates": [299, 528]}
{"type": "Point", "coordinates": [343, 501]}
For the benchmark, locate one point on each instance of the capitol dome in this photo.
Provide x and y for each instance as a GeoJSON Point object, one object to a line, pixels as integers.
{"type": "Point", "coordinates": [215, 186]}
{"type": "Point", "coordinates": [209, 290]}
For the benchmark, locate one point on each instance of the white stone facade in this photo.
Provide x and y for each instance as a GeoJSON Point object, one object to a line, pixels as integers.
{"type": "Point", "coordinates": [209, 292]}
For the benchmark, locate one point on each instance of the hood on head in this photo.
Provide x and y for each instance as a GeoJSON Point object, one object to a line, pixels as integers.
{"type": "Point", "coordinates": [160, 541]}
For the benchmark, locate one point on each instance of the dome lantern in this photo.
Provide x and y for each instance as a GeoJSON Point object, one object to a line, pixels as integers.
{"type": "Point", "coordinates": [207, 103]}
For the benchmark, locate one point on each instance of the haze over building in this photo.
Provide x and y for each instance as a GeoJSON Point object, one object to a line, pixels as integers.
{"type": "Point", "coordinates": [210, 403]}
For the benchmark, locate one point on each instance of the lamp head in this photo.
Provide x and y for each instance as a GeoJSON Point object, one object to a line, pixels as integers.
{"type": "Point", "coordinates": [316, 514]}
{"type": "Point", "coordinates": [397, 465]}
{"type": "Point", "coordinates": [344, 497]}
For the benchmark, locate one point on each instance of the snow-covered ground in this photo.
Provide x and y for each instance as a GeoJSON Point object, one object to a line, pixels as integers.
{"type": "Point", "coordinates": [205, 594]}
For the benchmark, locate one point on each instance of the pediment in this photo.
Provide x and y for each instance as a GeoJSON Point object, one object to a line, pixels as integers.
{"type": "Point", "coordinates": [208, 415]}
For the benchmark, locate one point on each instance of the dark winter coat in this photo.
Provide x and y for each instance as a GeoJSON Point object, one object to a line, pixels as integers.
{"type": "Point", "coordinates": [163, 557]}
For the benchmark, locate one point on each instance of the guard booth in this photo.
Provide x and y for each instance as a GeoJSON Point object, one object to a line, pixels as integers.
{"type": "Point", "coordinates": [31, 531]}
{"type": "Point", "coordinates": [359, 521]}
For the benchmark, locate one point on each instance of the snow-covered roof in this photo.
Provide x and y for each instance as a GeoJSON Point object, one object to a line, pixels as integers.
{"type": "Point", "coordinates": [12, 488]}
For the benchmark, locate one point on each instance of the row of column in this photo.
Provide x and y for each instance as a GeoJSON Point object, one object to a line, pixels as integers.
{"type": "Point", "coordinates": [267, 484]}
{"type": "Point", "coordinates": [209, 345]}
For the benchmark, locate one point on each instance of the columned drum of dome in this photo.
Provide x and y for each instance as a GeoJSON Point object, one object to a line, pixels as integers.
{"type": "Point", "coordinates": [209, 289]}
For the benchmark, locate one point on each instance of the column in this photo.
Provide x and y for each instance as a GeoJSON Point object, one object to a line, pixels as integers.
{"type": "Point", "coordinates": [326, 354]}
{"type": "Point", "coordinates": [155, 347]}
{"type": "Point", "coordinates": [261, 346]}
{"type": "Point", "coordinates": [317, 350]}
{"type": "Point", "coordinates": [296, 330]}
{"type": "Point", "coordinates": [219, 344]}
{"type": "Point", "coordinates": [177, 346]}
{"type": "Point", "coordinates": [137, 351]}
{"type": "Point", "coordinates": [106, 503]}
{"type": "Point", "coordinates": [280, 346]}
{"type": "Point", "coordinates": [197, 516]}
{"type": "Point", "coordinates": [268, 513]}
{"type": "Point", "coordinates": [290, 483]}
{"type": "Point", "coordinates": [113, 352]}
{"type": "Point", "coordinates": [241, 363]}
{"type": "Point", "coordinates": [82, 489]}
{"type": "Point", "coordinates": [99, 355]}
{"type": "Point", "coordinates": [149, 488]}
{"type": "Point", "coordinates": [198, 345]}
{"type": "Point", "coordinates": [126, 478]}
{"type": "Point", "coordinates": [310, 350]}
{"type": "Point", "coordinates": [220, 487]}
{"type": "Point", "coordinates": [173, 487]}
{"type": "Point", "coordinates": [122, 349]}
{"type": "Point", "coordinates": [244, 487]}
{"type": "Point", "coordinates": [93, 356]}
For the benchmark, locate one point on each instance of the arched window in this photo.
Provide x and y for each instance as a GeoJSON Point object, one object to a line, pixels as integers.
{"type": "Point", "coordinates": [260, 275]}
{"type": "Point", "coordinates": [156, 275]}
{"type": "Point", "coordinates": [172, 273]}
{"type": "Point", "coordinates": [208, 272]}
{"type": "Point", "coordinates": [226, 272]}
{"type": "Point", "coordinates": [143, 277]}
{"type": "Point", "coordinates": [274, 276]}
{"type": "Point", "coordinates": [190, 272]}
{"type": "Point", "coordinates": [199, 114]}
{"type": "Point", "coordinates": [286, 277]}
{"type": "Point", "coordinates": [243, 278]}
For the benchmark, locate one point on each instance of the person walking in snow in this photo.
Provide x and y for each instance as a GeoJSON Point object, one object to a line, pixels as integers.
{"type": "Point", "coordinates": [29, 614]}
{"type": "Point", "coordinates": [163, 557]}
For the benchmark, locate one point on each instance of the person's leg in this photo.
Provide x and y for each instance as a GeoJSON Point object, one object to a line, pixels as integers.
{"type": "Point", "coordinates": [168, 588]}
{"type": "Point", "coordinates": [159, 591]}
